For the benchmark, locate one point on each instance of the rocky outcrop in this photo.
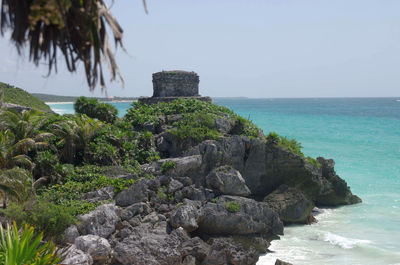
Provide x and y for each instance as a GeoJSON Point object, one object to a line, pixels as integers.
{"type": "Point", "coordinates": [227, 180]}
{"type": "Point", "coordinates": [100, 222]}
{"type": "Point", "coordinates": [217, 202]}
{"type": "Point", "coordinates": [232, 215]}
{"type": "Point", "coordinates": [291, 205]}
{"type": "Point", "coordinates": [75, 256]}
{"type": "Point", "coordinates": [97, 247]}
{"type": "Point", "coordinates": [280, 262]}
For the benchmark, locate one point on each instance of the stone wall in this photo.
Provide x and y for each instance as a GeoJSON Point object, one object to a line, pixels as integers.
{"type": "Point", "coordinates": [175, 84]}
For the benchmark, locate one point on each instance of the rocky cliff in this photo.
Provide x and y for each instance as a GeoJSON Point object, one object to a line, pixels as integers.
{"type": "Point", "coordinates": [219, 194]}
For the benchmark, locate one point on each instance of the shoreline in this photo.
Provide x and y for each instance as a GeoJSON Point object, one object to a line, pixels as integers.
{"type": "Point", "coordinates": [72, 102]}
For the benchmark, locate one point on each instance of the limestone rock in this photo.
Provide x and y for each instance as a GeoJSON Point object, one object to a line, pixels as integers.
{"type": "Point", "coordinates": [251, 217]}
{"type": "Point", "coordinates": [102, 194]}
{"type": "Point", "coordinates": [99, 222]}
{"type": "Point", "coordinates": [137, 192]}
{"type": "Point", "coordinates": [291, 204]}
{"type": "Point", "coordinates": [133, 210]}
{"type": "Point", "coordinates": [150, 244]}
{"type": "Point", "coordinates": [97, 247]}
{"type": "Point", "coordinates": [186, 217]}
{"type": "Point", "coordinates": [227, 180]}
{"type": "Point", "coordinates": [280, 262]}
{"type": "Point", "coordinates": [228, 252]}
{"type": "Point", "coordinates": [76, 256]}
{"type": "Point", "coordinates": [70, 234]}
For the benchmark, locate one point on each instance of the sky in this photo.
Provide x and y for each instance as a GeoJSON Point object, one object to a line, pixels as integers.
{"type": "Point", "coordinates": [250, 48]}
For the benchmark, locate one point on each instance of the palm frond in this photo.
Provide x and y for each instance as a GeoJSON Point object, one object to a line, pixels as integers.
{"type": "Point", "coordinates": [76, 28]}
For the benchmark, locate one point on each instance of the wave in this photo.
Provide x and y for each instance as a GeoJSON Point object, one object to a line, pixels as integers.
{"type": "Point", "coordinates": [344, 242]}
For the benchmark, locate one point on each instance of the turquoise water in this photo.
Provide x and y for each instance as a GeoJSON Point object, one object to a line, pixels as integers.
{"type": "Point", "coordinates": [363, 136]}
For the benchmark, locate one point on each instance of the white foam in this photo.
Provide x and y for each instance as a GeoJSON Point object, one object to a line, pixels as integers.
{"type": "Point", "coordinates": [344, 242]}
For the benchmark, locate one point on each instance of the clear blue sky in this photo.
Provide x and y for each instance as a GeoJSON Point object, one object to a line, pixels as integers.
{"type": "Point", "coordinates": [253, 48]}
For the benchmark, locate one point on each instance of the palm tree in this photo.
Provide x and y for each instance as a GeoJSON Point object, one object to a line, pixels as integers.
{"type": "Point", "coordinates": [26, 124]}
{"type": "Point", "coordinates": [76, 134]}
{"type": "Point", "coordinates": [15, 167]}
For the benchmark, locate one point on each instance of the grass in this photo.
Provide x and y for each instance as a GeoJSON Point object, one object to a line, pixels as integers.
{"type": "Point", "coordinates": [233, 207]}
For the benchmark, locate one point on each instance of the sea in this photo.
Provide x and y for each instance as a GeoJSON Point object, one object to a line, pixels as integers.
{"type": "Point", "coordinates": [362, 135]}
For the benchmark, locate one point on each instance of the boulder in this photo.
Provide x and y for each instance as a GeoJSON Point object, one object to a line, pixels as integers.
{"type": "Point", "coordinates": [140, 208]}
{"type": "Point", "coordinates": [291, 204]}
{"type": "Point", "coordinates": [151, 244]}
{"type": "Point", "coordinates": [186, 216]}
{"type": "Point", "coordinates": [280, 262]}
{"type": "Point", "coordinates": [233, 215]}
{"type": "Point", "coordinates": [100, 222]}
{"type": "Point", "coordinates": [137, 192]}
{"type": "Point", "coordinates": [74, 256]}
{"type": "Point", "coordinates": [97, 247]}
{"type": "Point", "coordinates": [102, 194]}
{"type": "Point", "coordinates": [227, 180]}
{"type": "Point", "coordinates": [70, 234]}
{"type": "Point", "coordinates": [184, 165]}
{"type": "Point", "coordinates": [223, 251]}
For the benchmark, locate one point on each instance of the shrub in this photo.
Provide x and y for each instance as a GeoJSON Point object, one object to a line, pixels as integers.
{"type": "Point", "coordinates": [93, 109]}
{"type": "Point", "coordinates": [48, 217]}
{"type": "Point", "coordinates": [167, 166]}
{"type": "Point", "coordinates": [24, 248]}
{"type": "Point", "coordinates": [233, 207]}
{"type": "Point", "coordinates": [273, 138]}
{"type": "Point", "coordinates": [313, 162]}
{"type": "Point", "coordinates": [292, 145]}
{"type": "Point", "coordinates": [197, 122]}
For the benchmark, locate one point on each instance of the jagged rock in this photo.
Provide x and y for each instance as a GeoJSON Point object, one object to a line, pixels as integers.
{"type": "Point", "coordinates": [137, 192]}
{"type": "Point", "coordinates": [227, 180]}
{"type": "Point", "coordinates": [195, 247]}
{"type": "Point", "coordinates": [223, 125]}
{"type": "Point", "coordinates": [100, 222]}
{"type": "Point", "coordinates": [133, 210]}
{"type": "Point", "coordinates": [70, 234]}
{"type": "Point", "coordinates": [174, 185]}
{"type": "Point", "coordinates": [97, 247]}
{"type": "Point", "coordinates": [280, 262]}
{"type": "Point", "coordinates": [250, 217]}
{"type": "Point", "coordinates": [228, 252]}
{"type": "Point", "coordinates": [186, 216]}
{"type": "Point", "coordinates": [148, 244]}
{"type": "Point", "coordinates": [291, 204]}
{"type": "Point", "coordinates": [338, 193]}
{"type": "Point", "coordinates": [102, 194]}
{"type": "Point", "coordinates": [74, 256]}
{"type": "Point", "coordinates": [184, 165]}
{"type": "Point", "coordinates": [189, 260]}
{"type": "Point", "coordinates": [197, 194]}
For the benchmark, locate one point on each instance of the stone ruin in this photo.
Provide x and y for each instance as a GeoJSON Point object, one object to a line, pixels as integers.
{"type": "Point", "coordinates": [171, 85]}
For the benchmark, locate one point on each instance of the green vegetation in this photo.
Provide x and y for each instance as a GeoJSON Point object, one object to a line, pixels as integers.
{"type": "Point", "coordinates": [214, 200]}
{"type": "Point", "coordinates": [167, 166]}
{"type": "Point", "coordinates": [196, 119]}
{"type": "Point", "coordinates": [313, 162]}
{"type": "Point", "coordinates": [233, 207]}
{"type": "Point", "coordinates": [22, 247]}
{"type": "Point", "coordinates": [291, 144]}
{"type": "Point", "coordinates": [162, 194]}
{"type": "Point", "coordinates": [19, 96]}
{"type": "Point", "coordinates": [93, 109]}
{"type": "Point", "coordinates": [48, 162]}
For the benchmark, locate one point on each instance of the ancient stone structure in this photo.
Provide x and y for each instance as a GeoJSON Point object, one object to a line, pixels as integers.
{"type": "Point", "coordinates": [171, 85]}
